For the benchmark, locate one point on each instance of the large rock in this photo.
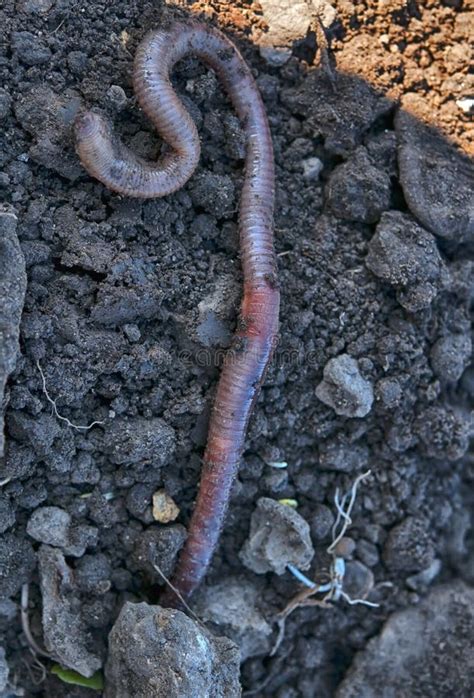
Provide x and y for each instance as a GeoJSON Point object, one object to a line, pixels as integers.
{"type": "Point", "coordinates": [290, 20]}
{"type": "Point", "coordinates": [64, 632]}
{"type": "Point", "coordinates": [422, 651]}
{"type": "Point", "coordinates": [231, 606]}
{"type": "Point", "coordinates": [12, 296]}
{"type": "Point", "coordinates": [437, 179]}
{"type": "Point", "coordinates": [159, 652]}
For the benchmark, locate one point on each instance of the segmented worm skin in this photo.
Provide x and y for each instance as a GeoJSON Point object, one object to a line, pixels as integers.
{"type": "Point", "coordinates": [247, 359]}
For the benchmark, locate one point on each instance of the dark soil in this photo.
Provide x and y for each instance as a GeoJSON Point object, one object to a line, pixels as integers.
{"type": "Point", "coordinates": [130, 306]}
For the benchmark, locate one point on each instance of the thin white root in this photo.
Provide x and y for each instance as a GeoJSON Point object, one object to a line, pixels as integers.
{"type": "Point", "coordinates": [55, 409]}
{"type": "Point", "coordinates": [345, 514]}
{"type": "Point", "coordinates": [333, 589]}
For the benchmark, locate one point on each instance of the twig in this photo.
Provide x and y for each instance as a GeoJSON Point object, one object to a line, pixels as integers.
{"type": "Point", "coordinates": [323, 50]}
{"type": "Point", "coordinates": [175, 590]}
{"type": "Point", "coordinates": [55, 409]}
{"type": "Point", "coordinates": [299, 601]}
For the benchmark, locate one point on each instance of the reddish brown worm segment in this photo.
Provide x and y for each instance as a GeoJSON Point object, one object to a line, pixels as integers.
{"type": "Point", "coordinates": [246, 362]}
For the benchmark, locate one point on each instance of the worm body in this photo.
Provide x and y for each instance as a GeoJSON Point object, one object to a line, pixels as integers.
{"type": "Point", "coordinates": [246, 362]}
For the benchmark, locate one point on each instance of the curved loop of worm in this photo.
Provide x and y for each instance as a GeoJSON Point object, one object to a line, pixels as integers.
{"type": "Point", "coordinates": [247, 360]}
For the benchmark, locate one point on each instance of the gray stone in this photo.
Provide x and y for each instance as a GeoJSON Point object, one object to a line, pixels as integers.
{"type": "Point", "coordinates": [12, 296]}
{"type": "Point", "coordinates": [275, 57]}
{"type": "Point", "coordinates": [321, 522]}
{"type": "Point", "coordinates": [425, 650]}
{"type": "Point", "coordinates": [368, 553]}
{"type": "Point", "coordinates": [232, 607]}
{"type": "Point", "coordinates": [437, 179]}
{"type": "Point", "coordinates": [52, 526]}
{"type": "Point", "coordinates": [36, 7]}
{"type": "Point", "coordinates": [344, 389]}
{"type": "Point", "coordinates": [80, 538]}
{"type": "Point", "coordinates": [312, 168]}
{"type": "Point", "coordinates": [63, 629]}
{"type": "Point", "coordinates": [406, 256]}
{"type": "Point", "coordinates": [159, 652]}
{"type": "Point", "coordinates": [450, 355]}
{"type": "Point", "coordinates": [358, 580]}
{"type": "Point", "coordinates": [278, 537]}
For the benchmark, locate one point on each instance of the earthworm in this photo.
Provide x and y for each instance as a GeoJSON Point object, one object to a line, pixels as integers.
{"type": "Point", "coordinates": [248, 357]}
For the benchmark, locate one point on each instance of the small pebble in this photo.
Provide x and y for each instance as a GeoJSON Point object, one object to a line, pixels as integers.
{"type": "Point", "coordinates": [278, 536]}
{"type": "Point", "coordinates": [164, 507]}
{"type": "Point", "coordinates": [276, 57]}
{"type": "Point", "coordinates": [50, 525]}
{"type": "Point", "coordinates": [466, 104]}
{"type": "Point", "coordinates": [312, 168]}
{"type": "Point", "coordinates": [367, 552]}
{"type": "Point", "coordinates": [37, 7]}
{"type": "Point", "coordinates": [116, 97]}
{"type": "Point", "coordinates": [344, 389]}
{"type": "Point", "coordinates": [345, 547]}
{"type": "Point", "coordinates": [132, 332]}
{"type": "Point", "coordinates": [358, 580]}
{"type": "Point", "coordinates": [321, 522]}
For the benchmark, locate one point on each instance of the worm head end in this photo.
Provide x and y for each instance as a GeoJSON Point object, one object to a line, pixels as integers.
{"type": "Point", "coordinates": [87, 125]}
